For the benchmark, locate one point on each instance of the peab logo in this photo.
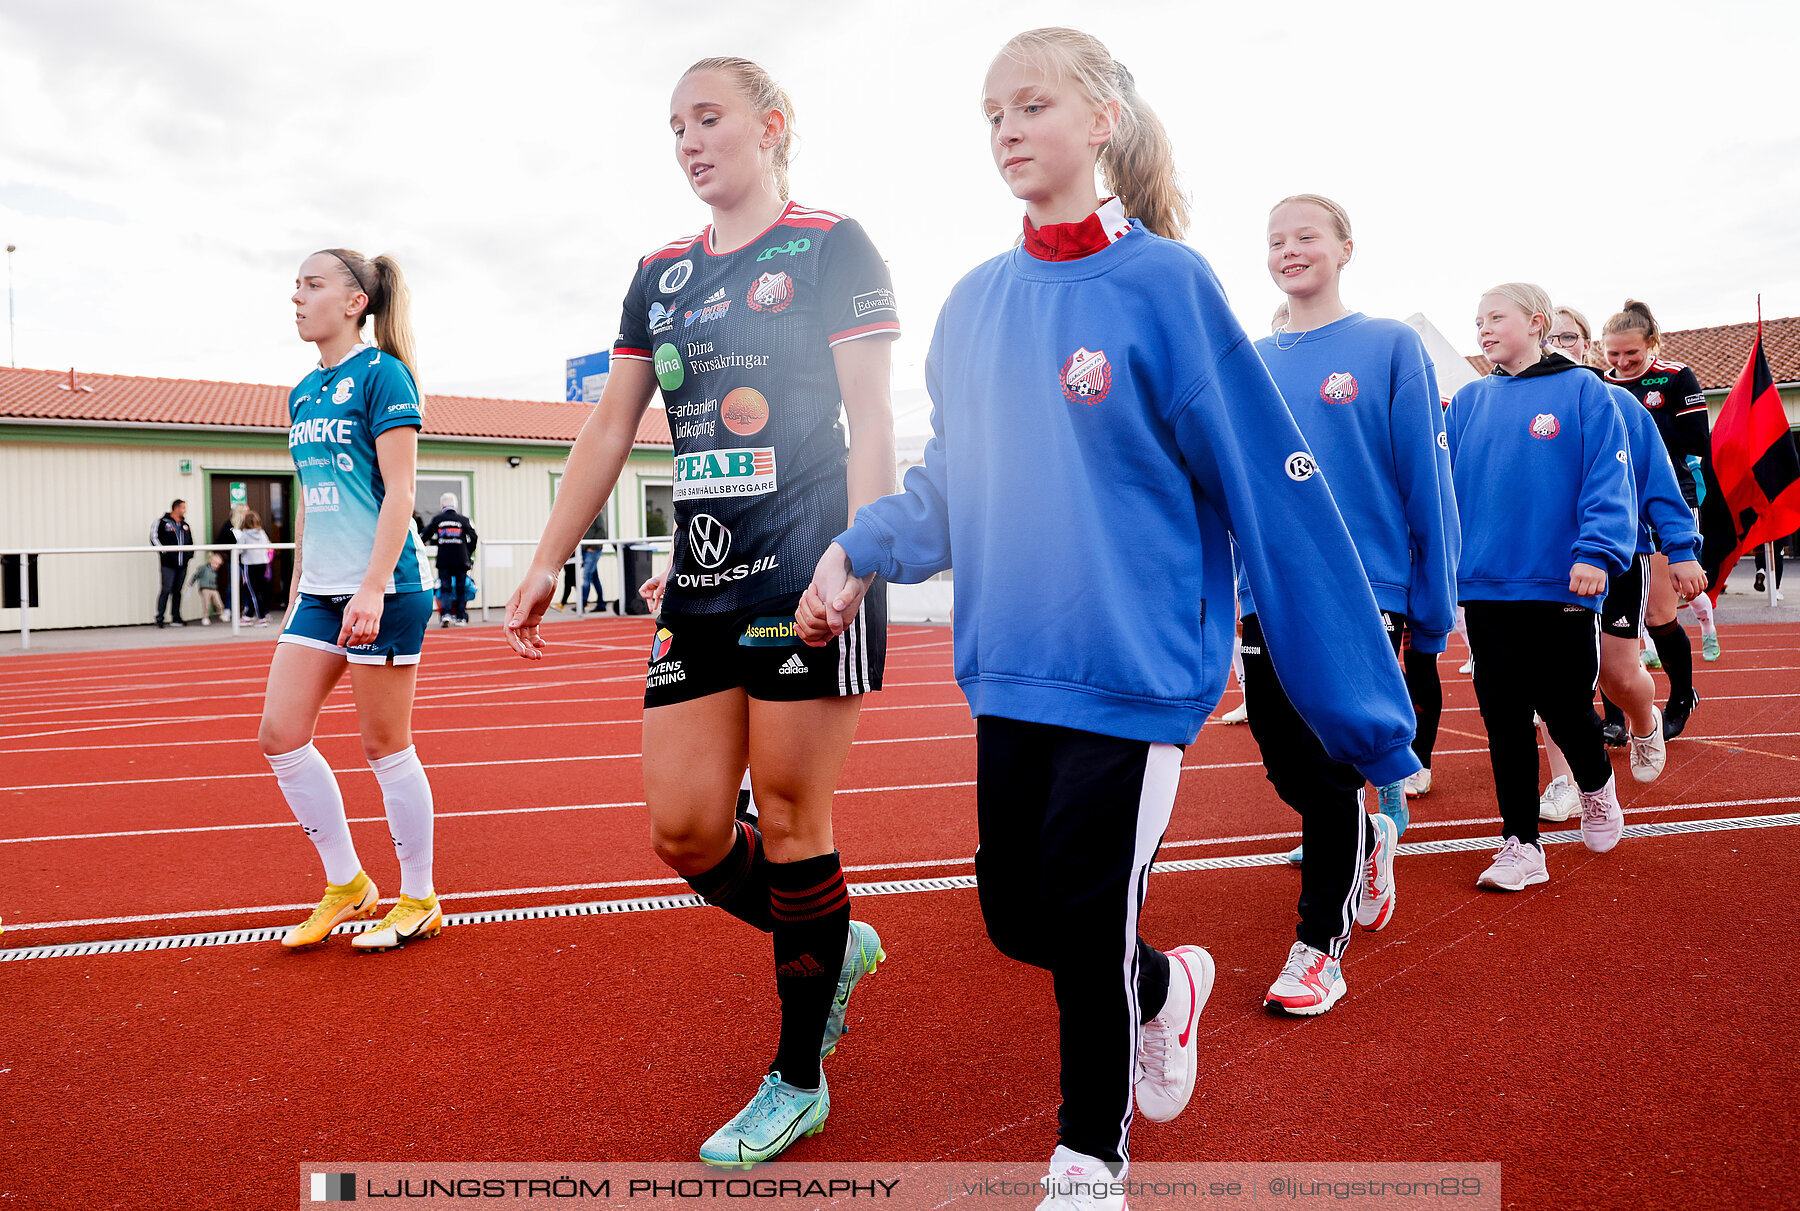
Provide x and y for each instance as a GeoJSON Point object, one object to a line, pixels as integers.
{"type": "Point", "coordinates": [675, 277]}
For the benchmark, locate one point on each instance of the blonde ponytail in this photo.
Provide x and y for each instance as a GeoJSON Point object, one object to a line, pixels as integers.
{"type": "Point", "coordinates": [1138, 163]}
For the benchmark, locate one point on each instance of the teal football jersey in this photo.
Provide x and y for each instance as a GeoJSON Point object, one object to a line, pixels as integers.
{"type": "Point", "coordinates": [335, 416]}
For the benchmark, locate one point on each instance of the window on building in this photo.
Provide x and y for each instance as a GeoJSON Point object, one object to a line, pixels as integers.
{"type": "Point", "coordinates": [431, 486]}
{"type": "Point", "coordinates": [659, 508]}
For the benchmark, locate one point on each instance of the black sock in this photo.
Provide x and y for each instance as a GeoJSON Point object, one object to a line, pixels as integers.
{"type": "Point", "coordinates": [1427, 694]}
{"type": "Point", "coordinates": [1676, 651]}
{"type": "Point", "coordinates": [740, 884]}
{"type": "Point", "coordinates": [811, 909]}
{"type": "Point", "coordinates": [1153, 981]}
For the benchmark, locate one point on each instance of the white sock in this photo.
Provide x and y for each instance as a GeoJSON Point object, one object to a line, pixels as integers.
{"type": "Point", "coordinates": [750, 804]}
{"type": "Point", "coordinates": [1703, 610]}
{"type": "Point", "coordinates": [312, 795]}
{"type": "Point", "coordinates": [406, 793]}
{"type": "Point", "coordinates": [1237, 662]}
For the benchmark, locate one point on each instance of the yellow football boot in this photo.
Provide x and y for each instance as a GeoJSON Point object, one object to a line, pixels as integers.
{"type": "Point", "coordinates": [342, 902]}
{"type": "Point", "coordinates": [407, 921]}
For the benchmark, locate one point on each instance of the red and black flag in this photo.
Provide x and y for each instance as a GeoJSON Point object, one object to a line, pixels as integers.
{"type": "Point", "coordinates": [1755, 460]}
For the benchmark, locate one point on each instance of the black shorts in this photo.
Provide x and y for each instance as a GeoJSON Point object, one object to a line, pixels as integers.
{"type": "Point", "coordinates": [1622, 614]}
{"type": "Point", "coordinates": [760, 651]}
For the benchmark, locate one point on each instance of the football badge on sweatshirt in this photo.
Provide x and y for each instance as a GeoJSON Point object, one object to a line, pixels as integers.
{"type": "Point", "coordinates": [1086, 377]}
{"type": "Point", "coordinates": [1544, 425]}
{"type": "Point", "coordinates": [1339, 388]}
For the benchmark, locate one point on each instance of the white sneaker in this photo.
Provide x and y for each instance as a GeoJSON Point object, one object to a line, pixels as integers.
{"type": "Point", "coordinates": [1516, 867]}
{"type": "Point", "coordinates": [1376, 908]}
{"type": "Point", "coordinates": [1560, 800]}
{"type": "Point", "coordinates": [1165, 1058]}
{"type": "Point", "coordinates": [1648, 753]}
{"type": "Point", "coordinates": [1417, 784]}
{"type": "Point", "coordinates": [1468, 666]}
{"type": "Point", "coordinates": [1078, 1182]}
{"type": "Point", "coordinates": [1237, 714]}
{"type": "Point", "coordinates": [1310, 983]}
{"type": "Point", "coordinates": [1602, 819]}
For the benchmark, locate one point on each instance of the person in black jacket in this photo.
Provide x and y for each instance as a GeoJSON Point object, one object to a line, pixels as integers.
{"type": "Point", "coordinates": [172, 530]}
{"type": "Point", "coordinates": [454, 537]}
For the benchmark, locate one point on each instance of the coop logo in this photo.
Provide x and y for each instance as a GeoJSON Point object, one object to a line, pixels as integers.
{"type": "Point", "coordinates": [1544, 426]}
{"type": "Point", "coordinates": [345, 462]}
{"type": "Point", "coordinates": [873, 301]}
{"type": "Point", "coordinates": [772, 292]}
{"type": "Point", "coordinates": [322, 498]}
{"type": "Point", "coordinates": [660, 319]}
{"type": "Point", "coordinates": [1339, 388]}
{"type": "Point", "coordinates": [709, 539]}
{"type": "Point", "coordinates": [344, 388]}
{"type": "Point", "coordinates": [659, 646]}
{"type": "Point", "coordinates": [1086, 377]}
{"type": "Point", "coordinates": [675, 277]}
{"type": "Point", "coordinates": [1300, 466]}
{"type": "Point", "coordinates": [791, 248]}
{"type": "Point", "coordinates": [718, 473]}
{"type": "Point", "coordinates": [1661, 380]}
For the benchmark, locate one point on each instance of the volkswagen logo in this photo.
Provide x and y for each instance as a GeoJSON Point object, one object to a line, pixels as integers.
{"type": "Point", "coordinates": [708, 539]}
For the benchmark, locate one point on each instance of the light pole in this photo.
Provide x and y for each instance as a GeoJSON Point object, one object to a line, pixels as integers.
{"type": "Point", "coordinates": [12, 350]}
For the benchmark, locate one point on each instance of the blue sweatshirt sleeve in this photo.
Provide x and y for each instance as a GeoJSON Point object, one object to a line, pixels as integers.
{"type": "Point", "coordinates": [1662, 504]}
{"type": "Point", "coordinates": [1326, 639]}
{"type": "Point", "coordinates": [1607, 506]}
{"type": "Point", "coordinates": [906, 537]}
{"type": "Point", "coordinates": [1422, 467]}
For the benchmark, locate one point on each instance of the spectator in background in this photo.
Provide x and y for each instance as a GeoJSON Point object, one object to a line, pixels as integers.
{"type": "Point", "coordinates": [454, 537]}
{"type": "Point", "coordinates": [590, 565]}
{"type": "Point", "coordinates": [172, 530]}
{"type": "Point", "coordinates": [257, 568]}
{"type": "Point", "coordinates": [206, 583]}
{"type": "Point", "coordinates": [226, 535]}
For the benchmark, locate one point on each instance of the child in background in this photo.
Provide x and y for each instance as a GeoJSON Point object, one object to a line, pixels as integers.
{"type": "Point", "coordinates": [206, 582]}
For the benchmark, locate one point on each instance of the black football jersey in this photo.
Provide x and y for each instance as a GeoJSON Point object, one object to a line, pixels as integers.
{"type": "Point", "coordinates": [741, 345]}
{"type": "Point", "coordinates": [1671, 392]}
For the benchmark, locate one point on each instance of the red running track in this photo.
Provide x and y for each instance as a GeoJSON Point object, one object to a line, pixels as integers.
{"type": "Point", "coordinates": [1616, 1038]}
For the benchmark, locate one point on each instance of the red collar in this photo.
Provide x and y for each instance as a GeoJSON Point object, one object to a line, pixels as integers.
{"type": "Point", "coordinates": [1072, 241]}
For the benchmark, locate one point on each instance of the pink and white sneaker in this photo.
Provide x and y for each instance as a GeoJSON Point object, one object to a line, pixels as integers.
{"type": "Point", "coordinates": [1602, 819]}
{"type": "Point", "coordinates": [1376, 907]}
{"type": "Point", "coordinates": [1165, 1058]}
{"type": "Point", "coordinates": [1310, 984]}
{"type": "Point", "coordinates": [1516, 867]}
{"type": "Point", "coordinates": [1078, 1182]}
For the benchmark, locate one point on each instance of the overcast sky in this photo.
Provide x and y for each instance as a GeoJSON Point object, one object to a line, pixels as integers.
{"type": "Point", "coordinates": [164, 167]}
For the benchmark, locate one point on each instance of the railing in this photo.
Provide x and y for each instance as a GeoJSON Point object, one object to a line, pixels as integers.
{"type": "Point", "coordinates": [618, 544]}
{"type": "Point", "coordinates": [27, 554]}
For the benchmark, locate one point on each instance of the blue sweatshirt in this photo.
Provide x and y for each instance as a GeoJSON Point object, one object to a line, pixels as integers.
{"type": "Point", "coordinates": [1665, 523]}
{"type": "Point", "coordinates": [1543, 481]}
{"type": "Point", "coordinates": [1101, 426]}
{"type": "Point", "coordinates": [1365, 395]}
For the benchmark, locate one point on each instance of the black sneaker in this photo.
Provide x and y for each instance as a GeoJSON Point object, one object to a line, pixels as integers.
{"type": "Point", "coordinates": [1759, 582]}
{"type": "Point", "coordinates": [1615, 733]}
{"type": "Point", "coordinates": [1675, 715]}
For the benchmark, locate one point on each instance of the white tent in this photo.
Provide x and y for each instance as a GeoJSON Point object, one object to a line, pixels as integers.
{"type": "Point", "coordinates": [1453, 369]}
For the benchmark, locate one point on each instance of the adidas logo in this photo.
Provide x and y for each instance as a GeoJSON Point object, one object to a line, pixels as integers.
{"type": "Point", "coordinates": [715, 297]}
{"type": "Point", "coordinates": [794, 665]}
{"type": "Point", "coordinates": [805, 965]}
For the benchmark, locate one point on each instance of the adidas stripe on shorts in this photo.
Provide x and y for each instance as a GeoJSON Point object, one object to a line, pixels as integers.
{"type": "Point", "coordinates": [760, 651]}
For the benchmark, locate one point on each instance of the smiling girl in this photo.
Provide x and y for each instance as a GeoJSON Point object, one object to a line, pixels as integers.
{"type": "Point", "coordinates": [1365, 396]}
{"type": "Point", "coordinates": [1544, 491]}
{"type": "Point", "coordinates": [362, 591]}
{"type": "Point", "coordinates": [1092, 392]}
{"type": "Point", "coordinates": [755, 329]}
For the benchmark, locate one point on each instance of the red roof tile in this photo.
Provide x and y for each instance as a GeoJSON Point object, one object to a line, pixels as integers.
{"type": "Point", "coordinates": [45, 395]}
{"type": "Point", "coordinates": [1717, 355]}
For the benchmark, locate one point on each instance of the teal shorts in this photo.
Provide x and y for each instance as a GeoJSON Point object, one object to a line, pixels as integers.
{"type": "Point", "coordinates": [316, 621]}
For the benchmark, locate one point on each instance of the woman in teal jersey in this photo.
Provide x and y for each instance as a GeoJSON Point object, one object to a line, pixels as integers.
{"type": "Point", "coordinates": [361, 592]}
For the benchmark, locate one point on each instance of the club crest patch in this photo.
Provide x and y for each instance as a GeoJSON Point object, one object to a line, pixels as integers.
{"type": "Point", "coordinates": [342, 394]}
{"type": "Point", "coordinates": [1339, 388]}
{"type": "Point", "coordinates": [771, 292]}
{"type": "Point", "coordinates": [1544, 425]}
{"type": "Point", "coordinates": [1086, 377]}
{"type": "Point", "coordinates": [1653, 399]}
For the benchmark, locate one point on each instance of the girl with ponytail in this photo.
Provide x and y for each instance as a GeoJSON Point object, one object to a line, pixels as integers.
{"type": "Point", "coordinates": [1095, 400]}
{"type": "Point", "coordinates": [361, 592]}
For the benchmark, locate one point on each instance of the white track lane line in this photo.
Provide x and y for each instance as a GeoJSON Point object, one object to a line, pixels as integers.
{"type": "Point", "coordinates": [939, 883]}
